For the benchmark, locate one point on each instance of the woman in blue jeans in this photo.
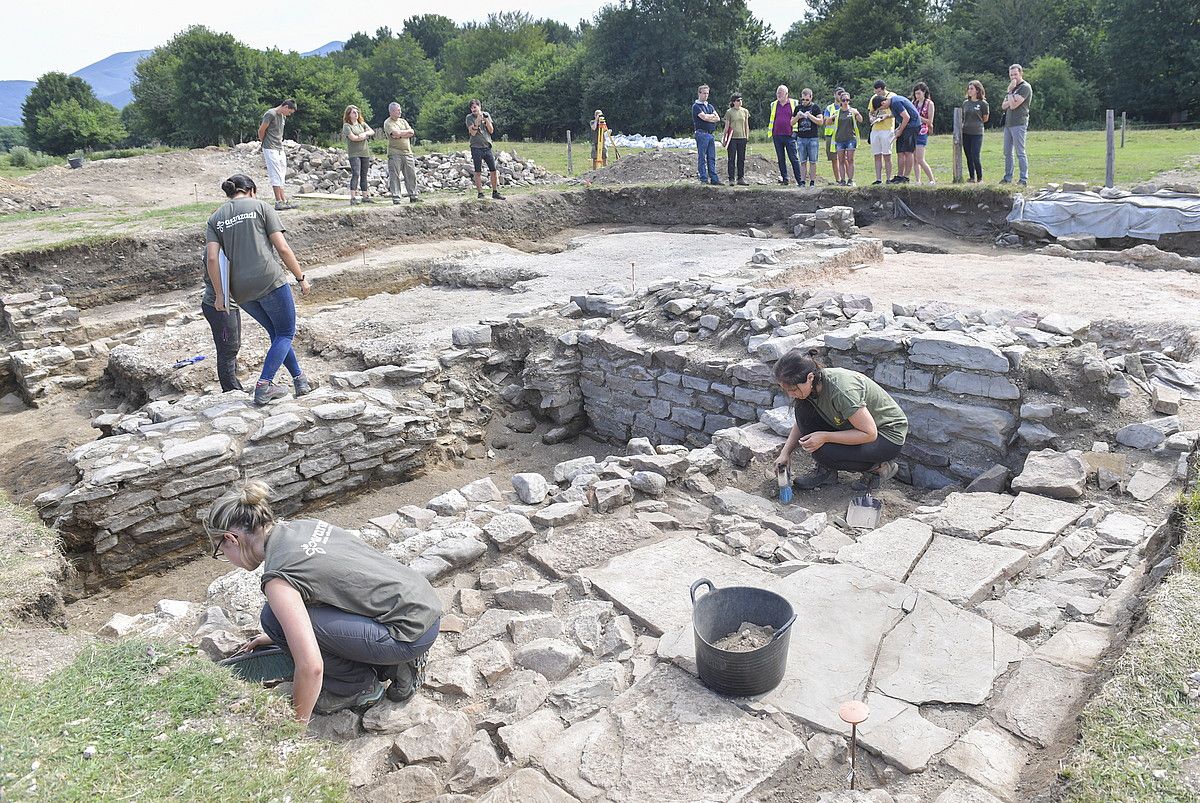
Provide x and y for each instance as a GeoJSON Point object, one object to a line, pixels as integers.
{"type": "Point", "coordinates": [350, 617]}
{"type": "Point", "coordinates": [250, 233]}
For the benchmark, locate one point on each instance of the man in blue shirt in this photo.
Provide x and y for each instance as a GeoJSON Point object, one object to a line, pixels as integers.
{"type": "Point", "coordinates": [908, 125]}
{"type": "Point", "coordinates": [705, 119]}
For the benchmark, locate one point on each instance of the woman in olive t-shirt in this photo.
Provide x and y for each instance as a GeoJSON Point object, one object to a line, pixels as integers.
{"type": "Point", "coordinates": [736, 137]}
{"type": "Point", "coordinates": [349, 616]}
{"type": "Point", "coordinates": [975, 114]}
{"type": "Point", "coordinates": [357, 132]}
{"type": "Point", "coordinates": [844, 419]}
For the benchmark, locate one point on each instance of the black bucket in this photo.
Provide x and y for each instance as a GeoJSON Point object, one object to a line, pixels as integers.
{"type": "Point", "coordinates": [75, 162]}
{"type": "Point", "coordinates": [722, 611]}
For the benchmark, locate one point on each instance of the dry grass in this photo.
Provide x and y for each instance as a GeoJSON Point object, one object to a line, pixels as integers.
{"type": "Point", "coordinates": [31, 567]}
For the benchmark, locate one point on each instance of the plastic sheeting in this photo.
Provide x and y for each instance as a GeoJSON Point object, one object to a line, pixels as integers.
{"type": "Point", "coordinates": [1115, 213]}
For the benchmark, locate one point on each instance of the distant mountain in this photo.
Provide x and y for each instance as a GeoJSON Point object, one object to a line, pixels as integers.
{"type": "Point", "coordinates": [325, 49]}
{"type": "Point", "coordinates": [12, 95]}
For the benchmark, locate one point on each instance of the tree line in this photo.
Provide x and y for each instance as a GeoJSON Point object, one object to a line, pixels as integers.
{"type": "Point", "coordinates": [640, 61]}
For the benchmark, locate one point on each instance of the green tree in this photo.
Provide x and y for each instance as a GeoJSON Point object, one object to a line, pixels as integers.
{"type": "Point", "coordinates": [397, 70]}
{"type": "Point", "coordinates": [320, 86]}
{"type": "Point", "coordinates": [68, 126]}
{"type": "Point", "coordinates": [985, 36]}
{"type": "Point", "coordinates": [770, 67]}
{"type": "Point", "coordinates": [51, 88]}
{"type": "Point", "coordinates": [442, 117]}
{"type": "Point", "coordinates": [535, 96]}
{"type": "Point", "coordinates": [154, 111]}
{"type": "Point", "coordinates": [901, 68]}
{"type": "Point", "coordinates": [1059, 98]}
{"type": "Point", "coordinates": [216, 88]}
{"type": "Point", "coordinates": [644, 59]}
{"type": "Point", "coordinates": [432, 32]}
{"type": "Point", "coordinates": [834, 30]}
{"type": "Point", "coordinates": [507, 35]}
{"type": "Point", "coordinates": [1152, 54]}
{"type": "Point", "coordinates": [11, 136]}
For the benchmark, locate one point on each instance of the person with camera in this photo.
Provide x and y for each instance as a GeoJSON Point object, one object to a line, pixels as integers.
{"type": "Point", "coordinates": [480, 128]}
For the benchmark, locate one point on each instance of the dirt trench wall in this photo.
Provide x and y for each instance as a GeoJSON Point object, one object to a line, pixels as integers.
{"type": "Point", "coordinates": [102, 271]}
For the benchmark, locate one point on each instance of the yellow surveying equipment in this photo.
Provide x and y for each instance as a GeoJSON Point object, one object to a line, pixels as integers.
{"type": "Point", "coordinates": [600, 142]}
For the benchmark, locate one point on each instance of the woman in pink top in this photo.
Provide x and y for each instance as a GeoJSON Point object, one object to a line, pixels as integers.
{"type": "Point", "coordinates": [925, 108]}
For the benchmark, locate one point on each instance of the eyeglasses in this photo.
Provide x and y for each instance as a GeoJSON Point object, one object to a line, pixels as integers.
{"type": "Point", "coordinates": [218, 542]}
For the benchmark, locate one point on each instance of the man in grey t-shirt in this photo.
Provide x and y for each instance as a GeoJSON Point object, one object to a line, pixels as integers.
{"type": "Point", "coordinates": [270, 134]}
{"type": "Point", "coordinates": [480, 128]}
{"type": "Point", "coordinates": [1016, 123]}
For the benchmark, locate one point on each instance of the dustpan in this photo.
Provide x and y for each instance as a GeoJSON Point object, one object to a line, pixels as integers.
{"type": "Point", "coordinates": [262, 665]}
{"type": "Point", "coordinates": [864, 512]}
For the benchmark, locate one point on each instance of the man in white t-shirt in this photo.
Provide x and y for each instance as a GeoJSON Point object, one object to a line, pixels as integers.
{"type": "Point", "coordinates": [270, 134]}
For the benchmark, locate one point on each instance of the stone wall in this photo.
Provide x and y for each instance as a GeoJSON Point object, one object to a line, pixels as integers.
{"type": "Point", "coordinates": [141, 491]}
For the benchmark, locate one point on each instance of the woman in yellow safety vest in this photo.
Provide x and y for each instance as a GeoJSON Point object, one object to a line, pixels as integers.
{"type": "Point", "coordinates": [830, 129]}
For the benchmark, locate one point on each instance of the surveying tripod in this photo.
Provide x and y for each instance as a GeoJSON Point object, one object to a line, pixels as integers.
{"type": "Point", "coordinates": [603, 138]}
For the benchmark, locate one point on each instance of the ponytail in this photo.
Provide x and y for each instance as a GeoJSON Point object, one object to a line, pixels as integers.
{"type": "Point", "coordinates": [795, 367]}
{"type": "Point", "coordinates": [238, 182]}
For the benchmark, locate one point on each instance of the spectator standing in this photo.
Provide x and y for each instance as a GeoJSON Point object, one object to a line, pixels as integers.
{"type": "Point", "coordinates": [975, 114]}
{"type": "Point", "coordinates": [831, 129]}
{"type": "Point", "coordinates": [737, 135]}
{"type": "Point", "coordinates": [704, 121]}
{"type": "Point", "coordinates": [808, 126]}
{"type": "Point", "coordinates": [250, 233]}
{"type": "Point", "coordinates": [925, 111]}
{"type": "Point", "coordinates": [782, 126]}
{"type": "Point", "coordinates": [845, 120]}
{"type": "Point", "coordinates": [480, 128]}
{"type": "Point", "coordinates": [400, 154]}
{"type": "Point", "coordinates": [883, 131]}
{"type": "Point", "coordinates": [270, 134]}
{"type": "Point", "coordinates": [357, 132]}
{"type": "Point", "coordinates": [1016, 123]}
{"type": "Point", "coordinates": [908, 123]}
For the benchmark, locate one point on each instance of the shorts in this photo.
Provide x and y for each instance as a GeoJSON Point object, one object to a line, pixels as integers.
{"type": "Point", "coordinates": [829, 148]}
{"type": "Point", "coordinates": [481, 155]}
{"type": "Point", "coordinates": [807, 146]}
{"type": "Point", "coordinates": [276, 166]}
{"type": "Point", "coordinates": [881, 142]}
{"type": "Point", "coordinates": [848, 145]}
{"type": "Point", "coordinates": [922, 140]}
{"type": "Point", "coordinates": [906, 140]}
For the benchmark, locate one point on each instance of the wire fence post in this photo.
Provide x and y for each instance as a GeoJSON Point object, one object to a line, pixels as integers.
{"type": "Point", "coordinates": [1110, 156]}
{"type": "Point", "coordinates": [958, 145]}
{"type": "Point", "coordinates": [1122, 129]}
{"type": "Point", "coordinates": [570, 167]}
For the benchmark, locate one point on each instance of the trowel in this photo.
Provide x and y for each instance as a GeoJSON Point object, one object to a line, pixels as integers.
{"type": "Point", "coordinates": [864, 512]}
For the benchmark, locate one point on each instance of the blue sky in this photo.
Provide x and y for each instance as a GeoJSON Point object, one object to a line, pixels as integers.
{"type": "Point", "coordinates": [71, 34]}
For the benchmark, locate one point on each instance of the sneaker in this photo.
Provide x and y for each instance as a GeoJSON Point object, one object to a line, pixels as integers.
{"type": "Point", "coordinates": [871, 480]}
{"type": "Point", "coordinates": [281, 206]}
{"type": "Point", "coordinates": [395, 200]}
{"type": "Point", "coordinates": [479, 195]}
{"type": "Point", "coordinates": [822, 476]}
{"type": "Point", "coordinates": [1006, 181]}
{"type": "Point", "coordinates": [267, 392]}
{"type": "Point", "coordinates": [496, 196]}
{"type": "Point", "coordinates": [876, 181]}
{"type": "Point", "coordinates": [1023, 183]}
{"type": "Point", "coordinates": [303, 386]}
{"type": "Point", "coordinates": [367, 199]}
{"type": "Point", "coordinates": [902, 179]}
{"type": "Point", "coordinates": [850, 183]}
{"type": "Point", "coordinates": [743, 183]}
{"type": "Point", "coordinates": [812, 183]}
{"type": "Point", "coordinates": [412, 199]}
{"type": "Point", "coordinates": [329, 703]}
{"type": "Point", "coordinates": [354, 200]}
{"type": "Point", "coordinates": [716, 182]}
{"type": "Point", "coordinates": [783, 181]}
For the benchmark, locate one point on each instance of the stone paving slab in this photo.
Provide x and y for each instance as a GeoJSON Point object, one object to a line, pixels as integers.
{"type": "Point", "coordinates": [892, 550]}
{"type": "Point", "coordinates": [527, 786]}
{"type": "Point", "coordinates": [971, 515]}
{"type": "Point", "coordinates": [572, 547]}
{"type": "Point", "coordinates": [941, 653]}
{"type": "Point", "coordinates": [1029, 541]}
{"type": "Point", "coordinates": [1042, 514]}
{"type": "Point", "coordinates": [1077, 645]}
{"type": "Point", "coordinates": [898, 732]}
{"type": "Point", "coordinates": [652, 583]}
{"type": "Point", "coordinates": [962, 571]}
{"type": "Point", "coordinates": [991, 757]}
{"type": "Point", "coordinates": [668, 738]}
{"type": "Point", "coordinates": [1040, 700]}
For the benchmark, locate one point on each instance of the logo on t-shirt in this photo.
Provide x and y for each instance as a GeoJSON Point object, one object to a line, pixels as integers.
{"type": "Point", "coordinates": [320, 536]}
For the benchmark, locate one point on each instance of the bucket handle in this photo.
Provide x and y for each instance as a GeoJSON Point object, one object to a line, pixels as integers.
{"type": "Point", "coordinates": [703, 581]}
{"type": "Point", "coordinates": [784, 629]}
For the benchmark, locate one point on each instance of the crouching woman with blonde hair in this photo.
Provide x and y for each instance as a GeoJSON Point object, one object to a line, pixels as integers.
{"type": "Point", "coordinates": [349, 616]}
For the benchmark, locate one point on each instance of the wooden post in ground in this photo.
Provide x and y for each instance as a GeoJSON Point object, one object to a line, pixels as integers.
{"type": "Point", "coordinates": [958, 145]}
{"type": "Point", "coordinates": [1122, 129]}
{"type": "Point", "coordinates": [570, 168]}
{"type": "Point", "coordinates": [1110, 156]}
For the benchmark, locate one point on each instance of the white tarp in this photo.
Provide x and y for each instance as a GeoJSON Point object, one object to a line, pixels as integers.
{"type": "Point", "coordinates": [1112, 213]}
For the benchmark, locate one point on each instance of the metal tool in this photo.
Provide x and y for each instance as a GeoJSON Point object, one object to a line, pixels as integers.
{"type": "Point", "coordinates": [853, 713]}
{"type": "Point", "coordinates": [864, 512]}
{"type": "Point", "coordinates": [188, 361]}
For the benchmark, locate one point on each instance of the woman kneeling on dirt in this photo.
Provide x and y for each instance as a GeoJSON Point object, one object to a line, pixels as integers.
{"type": "Point", "coordinates": [348, 616]}
{"type": "Point", "coordinates": [250, 233]}
{"type": "Point", "coordinates": [843, 419]}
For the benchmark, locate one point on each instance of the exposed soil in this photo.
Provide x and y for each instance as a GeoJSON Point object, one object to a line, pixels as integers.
{"type": "Point", "coordinates": [747, 638]}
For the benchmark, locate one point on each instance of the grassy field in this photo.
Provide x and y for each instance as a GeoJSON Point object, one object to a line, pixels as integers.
{"type": "Point", "coordinates": [1141, 729]}
{"type": "Point", "coordinates": [164, 726]}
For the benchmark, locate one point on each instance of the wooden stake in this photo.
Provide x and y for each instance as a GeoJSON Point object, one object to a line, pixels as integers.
{"type": "Point", "coordinates": [1122, 129]}
{"type": "Point", "coordinates": [1110, 156]}
{"type": "Point", "coordinates": [570, 167]}
{"type": "Point", "coordinates": [957, 145]}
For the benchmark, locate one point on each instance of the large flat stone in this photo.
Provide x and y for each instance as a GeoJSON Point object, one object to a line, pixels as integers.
{"type": "Point", "coordinates": [1077, 645]}
{"type": "Point", "coordinates": [991, 757]}
{"type": "Point", "coordinates": [744, 445]}
{"type": "Point", "coordinates": [1149, 480]}
{"type": "Point", "coordinates": [941, 653]}
{"type": "Point", "coordinates": [966, 792]}
{"type": "Point", "coordinates": [1030, 541]}
{"type": "Point", "coordinates": [591, 542]}
{"type": "Point", "coordinates": [1041, 701]}
{"type": "Point", "coordinates": [898, 732]}
{"type": "Point", "coordinates": [1052, 473]}
{"type": "Point", "coordinates": [892, 550]}
{"type": "Point", "coordinates": [668, 738]}
{"type": "Point", "coordinates": [957, 349]}
{"type": "Point", "coordinates": [652, 583]}
{"type": "Point", "coordinates": [940, 421]}
{"type": "Point", "coordinates": [971, 515]}
{"type": "Point", "coordinates": [526, 786]}
{"type": "Point", "coordinates": [963, 572]}
{"type": "Point", "coordinates": [1042, 514]}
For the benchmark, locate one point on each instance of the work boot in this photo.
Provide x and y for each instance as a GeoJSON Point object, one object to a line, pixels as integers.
{"type": "Point", "coordinates": [496, 196]}
{"type": "Point", "coordinates": [281, 206]}
{"type": "Point", "coordinates": [395, 199]}
{"type": "Point", "coordinates": [407, 679]}
{"type": "Point", "coordinates": [330, 703]}
{"type": "Point", "coordinates": [267, 392]}
{"type": "Point", "coordinates": [412, 199]}
{"type": "Point", "coordinates": [876, 477]}
{"type": "Point", "coordinates": [821, 476]}
{"type": "Point", "coordinates": [302, 385]}
{"type": "Point", "coordinates": [743, 183]}
{"type": "Point", "coordinates": [367, 199]}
